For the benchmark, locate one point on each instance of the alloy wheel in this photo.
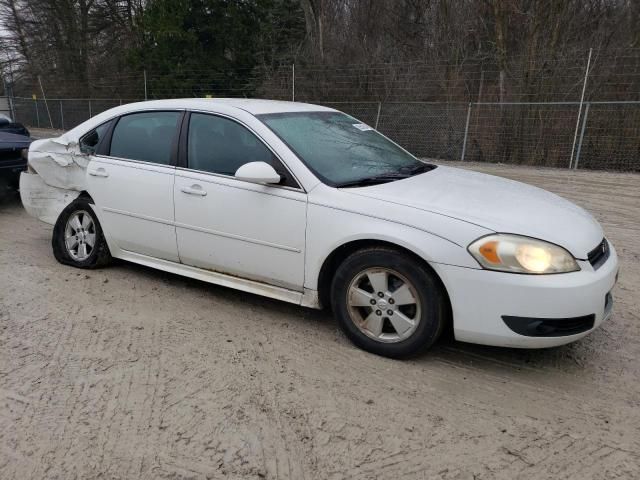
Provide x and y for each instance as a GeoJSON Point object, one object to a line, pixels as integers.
{"type": "Point", "coordinates": [80, 235]}
{"type": "Point", "coordinates": [384, 305]}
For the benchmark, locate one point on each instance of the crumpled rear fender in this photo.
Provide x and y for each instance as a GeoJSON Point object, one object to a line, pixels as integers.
{"type": "Point", "coordinates": [56, 177]}
{"type": "Point", "coordinates": [59, 162]}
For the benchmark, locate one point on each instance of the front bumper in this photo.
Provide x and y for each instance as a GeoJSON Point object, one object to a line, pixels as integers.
{"type": "Point", "coordinates": [10, 169]}
{"type": "Point", "coordinates": [480, 299]}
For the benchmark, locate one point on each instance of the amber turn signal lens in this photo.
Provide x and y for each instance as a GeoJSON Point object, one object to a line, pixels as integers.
{"type": "Point", "coordinates": [490, 251]}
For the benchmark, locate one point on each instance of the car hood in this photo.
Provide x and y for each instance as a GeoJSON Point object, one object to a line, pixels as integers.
{"type": "Point", "coordinates": [13, 140]}
{"type": "Point", "coordinates": [498, 204]}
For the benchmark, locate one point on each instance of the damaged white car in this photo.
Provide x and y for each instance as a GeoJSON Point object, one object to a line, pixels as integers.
{"type": "Point", "coordinates": [306, 204]}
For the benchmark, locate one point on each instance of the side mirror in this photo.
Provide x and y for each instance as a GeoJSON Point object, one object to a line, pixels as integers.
{"type": "Point", "coordinates": [257, 172]}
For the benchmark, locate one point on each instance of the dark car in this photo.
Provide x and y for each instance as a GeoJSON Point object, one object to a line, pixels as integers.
{"type": "Point", "coordinates": [13, 157]}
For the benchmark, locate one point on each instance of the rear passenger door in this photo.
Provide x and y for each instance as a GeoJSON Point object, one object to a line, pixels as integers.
{"type": "Point", "coordinates": [131, 177]}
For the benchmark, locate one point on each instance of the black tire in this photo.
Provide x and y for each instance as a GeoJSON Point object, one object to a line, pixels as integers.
{"type": "Point", "coordinates": [434, 311]}
{"type": "Point", "coordinates": [99, 256]}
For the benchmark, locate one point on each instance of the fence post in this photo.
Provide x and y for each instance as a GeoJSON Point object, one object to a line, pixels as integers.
{"type": "Point", "coordinates": [584, 87]}
{"type": "Point", "coordinates": [90, 114]}
{"type": "Point", "coordinates": [8, 94]}
{"type": "Point", "coordinates": [145, 83]}
{"type": "Point", "coordinates": [584, 124]}
{"type": "Point", "coordinates": [293, 82]}
{"type": "Point", "coordinates": [46, 104]}
{"type": "Point", "coordinates": [35, 103]}
{"type": "Point", "coordinates": [466, 133]}
{"type": "Point", "coordinates": [378, 115]}
{"type": "Point", "coordinates": [12, 109]}
{"type": "Point", "coordinates": [61, 117]}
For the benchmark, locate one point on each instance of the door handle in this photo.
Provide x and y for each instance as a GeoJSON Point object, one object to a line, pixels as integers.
{"type": "Point", "coordinates": [99, 172]}
{"type": "Point", "coordinates": [194, 190]}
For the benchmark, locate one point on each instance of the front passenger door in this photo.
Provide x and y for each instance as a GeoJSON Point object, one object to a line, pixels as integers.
{"type": "Point", "coordinates": [233, 226]}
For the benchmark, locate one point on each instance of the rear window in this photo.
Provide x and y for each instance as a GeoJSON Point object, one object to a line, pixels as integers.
{"type": "Point", "coordinates": [145, 136]}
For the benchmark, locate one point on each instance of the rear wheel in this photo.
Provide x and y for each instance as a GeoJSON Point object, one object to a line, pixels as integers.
{"type": "Point", "coordinates": [387, 303]}
{"type": "Point", "coordinates": [78, 239]}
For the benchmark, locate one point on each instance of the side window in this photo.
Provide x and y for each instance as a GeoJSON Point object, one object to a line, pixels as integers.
{"type": "Point", "coordinates": [145, 136]}
{"type": "Point", "coordinates": [89, 143]}
{"type": "Point", "coordinates": [219, 145]}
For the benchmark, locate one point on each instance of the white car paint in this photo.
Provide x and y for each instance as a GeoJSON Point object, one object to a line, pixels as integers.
{"type": "Point", "coordinates": [274, 240]}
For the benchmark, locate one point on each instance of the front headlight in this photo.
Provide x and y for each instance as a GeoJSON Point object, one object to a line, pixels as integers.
{"type": "Point", "coordinates": [514, 253]}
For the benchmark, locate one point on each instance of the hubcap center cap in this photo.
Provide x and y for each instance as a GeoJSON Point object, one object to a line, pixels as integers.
{"type": "Point", "coordinates": [382, 303]}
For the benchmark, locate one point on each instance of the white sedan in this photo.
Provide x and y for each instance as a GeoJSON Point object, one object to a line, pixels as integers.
{"type": "Point", "coordinates": [308, 205]}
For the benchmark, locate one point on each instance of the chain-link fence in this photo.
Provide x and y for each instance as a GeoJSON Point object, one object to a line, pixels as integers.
{"type": "Point", "coordinates": [60, 114]}
{"type": "Point", "coordinates": [579, 109]}
{"type": "Point", "coordinates": [534, 134]}
{"type": "Point", "coordinates": [521, 133]}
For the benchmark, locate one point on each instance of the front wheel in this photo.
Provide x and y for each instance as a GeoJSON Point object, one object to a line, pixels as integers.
{"type": "Point", "coordinates": [387, 303]}
{"type": "Point", "coordinates": [78, 239]}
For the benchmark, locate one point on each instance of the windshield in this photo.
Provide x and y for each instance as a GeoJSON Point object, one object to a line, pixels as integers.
{"type": "Point", "coordinates": [341, 150]}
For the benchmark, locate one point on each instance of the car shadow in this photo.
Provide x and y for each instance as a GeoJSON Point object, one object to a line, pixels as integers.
{"type": "Point", "coordinates": [252, 301]}
{"type": "Point", "coordinates": [9, 196]}
{"type": "Point", "coordinates": [574, 357]}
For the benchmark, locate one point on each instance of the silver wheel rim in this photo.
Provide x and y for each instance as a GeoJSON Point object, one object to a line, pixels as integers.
{"type": "Point", "coordinates": [384, 305]}
{"type": "Point", "coordinates": [80, 235]}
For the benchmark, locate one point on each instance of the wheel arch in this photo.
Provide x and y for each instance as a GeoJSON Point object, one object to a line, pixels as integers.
{"type": "Point", "coordinates": [340, 253]}
{"type": "Point", "coordinates": [86, 196]}
{"type": "Point", "coordinates": [100, 254]}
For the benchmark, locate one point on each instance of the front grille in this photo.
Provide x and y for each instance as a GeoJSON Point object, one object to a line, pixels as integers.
{"type": "Point", "coordinates": [9, 154]}
{"type": "Point", "coordinates": [599, 255]}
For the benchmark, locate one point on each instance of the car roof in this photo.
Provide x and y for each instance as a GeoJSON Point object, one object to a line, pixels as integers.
{"type": "Point", "coordinates": [251, 105]}
{"type": "Point", "coordinates": [213, 105]}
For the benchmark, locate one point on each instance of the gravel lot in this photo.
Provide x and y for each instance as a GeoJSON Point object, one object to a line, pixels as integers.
{"type": "Point", "coordinates": [128, 372]}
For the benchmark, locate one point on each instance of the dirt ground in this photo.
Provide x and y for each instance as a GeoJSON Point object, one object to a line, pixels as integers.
{"type": "Point", "coordinates": [128, 372]}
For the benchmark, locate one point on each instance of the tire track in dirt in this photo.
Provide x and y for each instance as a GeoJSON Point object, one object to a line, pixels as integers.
{"type": "Point", "coordinates": [288, 396]}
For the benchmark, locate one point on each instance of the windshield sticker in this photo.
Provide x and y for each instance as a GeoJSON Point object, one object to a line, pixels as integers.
{"type": "Point", "coordinates": [362, 127]}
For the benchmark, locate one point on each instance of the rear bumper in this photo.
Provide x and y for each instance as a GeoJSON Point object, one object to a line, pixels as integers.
{"type": "Point", "coordinates": [41, 200]}
{"type": "Point", "coordinates": [529, 311]}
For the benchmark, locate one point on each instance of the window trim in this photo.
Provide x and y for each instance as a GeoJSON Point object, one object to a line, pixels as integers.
{"type": "Point", "coordinates": [183, 158]}
{"type": "Point", "coordinates": [173, 158]}
{"type": "Point", "coordinates": [137, 162]}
